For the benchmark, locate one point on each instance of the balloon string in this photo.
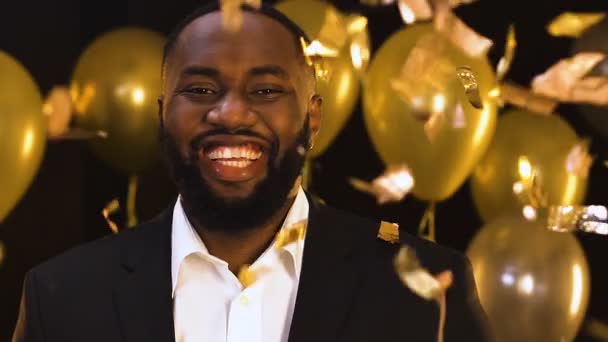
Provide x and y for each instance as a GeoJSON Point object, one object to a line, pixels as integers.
{"type": "Point", "coordinates": [442, 309]}
{"type": "Point", "coordinates": [426, 229]}
{"type": "Point", "coordinates": [131, 200]}
{"type": "Point", "coordinates": [307, 174]}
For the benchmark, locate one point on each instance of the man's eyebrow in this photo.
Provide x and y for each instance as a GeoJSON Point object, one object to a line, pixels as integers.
{"type": "Point", "coordinates": [270, 69]}
{"type": "Point", "coordinates": [196, 70]}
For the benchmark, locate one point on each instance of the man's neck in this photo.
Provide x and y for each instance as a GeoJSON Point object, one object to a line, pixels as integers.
{"type": "Point", "coordinates": [243, 248]}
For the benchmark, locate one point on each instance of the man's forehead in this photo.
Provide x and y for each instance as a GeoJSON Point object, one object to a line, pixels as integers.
{"type": "Point", "coordinates": [259, 37]}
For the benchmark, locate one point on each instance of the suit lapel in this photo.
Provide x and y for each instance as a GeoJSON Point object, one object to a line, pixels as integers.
{"type": "Point", "coordinates": [143, 294]}
{"type": "Point", "coordinates": [330, 275]}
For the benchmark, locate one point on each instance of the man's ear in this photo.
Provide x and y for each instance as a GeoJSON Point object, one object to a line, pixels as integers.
{"type": "Point", "coordinates": [160, 100]}
{"type": "Point", "coordinates": [315, 113]}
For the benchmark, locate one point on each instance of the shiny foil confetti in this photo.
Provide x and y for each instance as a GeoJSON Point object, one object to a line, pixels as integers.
{"type": "Point", "coordinates": [524, 98]}
{"type": "Point", "coordinates": [290, 235]}
{"type": "Point", "coordinates": [461, 35]}
{"type": "Point", "coordinates": [248, 274]}
{"type": "Point", "coordinates": [529, 188]}
{"type": "Point", "coordinates": [110, 209]}
{"type": "Point", "coordinates": [2, 253]}
{"type": "Point", "coordinates": [392, 186]}
{"type": "Point", "coordinates": [58, 110]}
{"type": "Point", "coordinates": [389, 232]}
{"type": "Point", "coordinates": [359, 41]}
{"type": "Point", "coordinates": [505, 61]}
{"type": "Point", "coordinates": [232, 14]}
{"type": "Point", "coordinates": [469, 82]}
{"type": "Point", "coordinates": [433, 126]}
{"type": "Point", "coordinates": [414, 10]}
{"type": "Point", "coordinates": [426, 70]}
{"type": "Point", "coordinates": [414, 276]}
{"type": "Point", "coordinates": [314, 54]}
{"type": "Point", "coordinates": [565, 81]}
{"type": "Point", "coordinates": [334, 32]}
{"type": "Point", "coordinates": [578, 161]}
{"type": "Point", "coordinates": [589, 219]}
{"type": "Point", "coordinates": [570, 24]}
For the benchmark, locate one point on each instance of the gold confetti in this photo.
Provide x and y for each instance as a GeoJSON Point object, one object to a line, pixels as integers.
{"type": "Point", "coordinates": [433, 125]}
{"type": "Point", "coordinates": [461, 35]}
{"type": "Point", "coordinates": [334, 32]}
{"type": "Point", "coordinates": [232, 14]}
{"type": "Point", "coordinates": [58, 110]}
{"type": "Point", "coordinates": [565, 80]}
{"type": "Point", "coordinates": [529, 188]}
{"type": "Point", "coordinates": [505, 61]}
{"type": "Point", "coordinates": [2, 253]}
{"type": "Point", "coordinates": [469, 82]}
{"type": "Point", "coordinates": [578, 161]}
{"type": "Point", "coordinates": [426, 70]}
{"type": "Point", "coordinates": [359, 41]}
{"type": "Point", "coordinates": [389, 232]}
{"type": "Point", "coordinates": [458, 117]}
{"type": "Point", "coordinates": [290, 235]}
{"type": "Point", "coordinates": [248, 274]}
{"type": "Point", "coordinates": [524, 98]}
{"type": "Point", "coordinates": [569, 218]}
{"type": "Point", "coordinates": [392, 186]}
{"type": "Point", "coordinates": [570, 24]}
{"type": "Point", "coordinates": [316, 48]}
{"type": "Point", "coordinates": [83, 100]}
{"type": "Point", "coordinates": [414, 10]}
{"type": "Point", "coordinates": [110, 209]}
{"type": "Point", "coordinates": [415, 277]}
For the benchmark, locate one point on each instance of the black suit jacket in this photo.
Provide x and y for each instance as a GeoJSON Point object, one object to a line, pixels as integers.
{"type": "Point", "coordinates": [119, 288]}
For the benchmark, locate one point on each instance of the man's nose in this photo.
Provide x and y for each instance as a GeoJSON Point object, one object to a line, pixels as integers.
{"type": "Point", "coordinates": [232, 113]}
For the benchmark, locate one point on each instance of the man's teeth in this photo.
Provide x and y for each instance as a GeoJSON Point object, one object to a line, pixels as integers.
{"type": "Point", "coordinates": [235, 163]}
{"type": "Point", "coordinates": [236, 152]}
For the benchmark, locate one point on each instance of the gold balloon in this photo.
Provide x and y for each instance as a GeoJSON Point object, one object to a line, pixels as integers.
{"type": "Point", "coordinates": [115, 86]}
{"type": "Point", "coordinates": [545, 142]}
{"type": "Point", "coordinates": [22, 132]}
{"type": "Point", "coordinates": [439, 165]}
{"type": "Point", "coordinates": [533, 283]}
{"type": "Point", "coordinates": [340, 89]}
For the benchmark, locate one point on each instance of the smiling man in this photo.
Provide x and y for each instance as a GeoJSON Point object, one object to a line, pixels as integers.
{"type": "Point", "coordinates": [244, 254]}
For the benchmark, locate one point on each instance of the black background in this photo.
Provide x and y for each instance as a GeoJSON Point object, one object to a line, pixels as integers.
{"type": "Point", "coordinates": [63, 205]}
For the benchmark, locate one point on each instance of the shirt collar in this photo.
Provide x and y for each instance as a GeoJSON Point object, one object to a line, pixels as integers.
{"type": "Point", "coordinates": [186, 241]}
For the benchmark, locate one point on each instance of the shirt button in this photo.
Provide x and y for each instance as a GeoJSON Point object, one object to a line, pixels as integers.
{"type": "Point", "coordinates": [244, 301]}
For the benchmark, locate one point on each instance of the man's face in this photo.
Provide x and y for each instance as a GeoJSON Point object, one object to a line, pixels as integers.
{"type": "Point", "coordinates": [235, 108]}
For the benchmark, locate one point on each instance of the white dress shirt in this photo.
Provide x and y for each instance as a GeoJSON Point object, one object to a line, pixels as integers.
{"type": "Point", "coordinates": [211, 305]}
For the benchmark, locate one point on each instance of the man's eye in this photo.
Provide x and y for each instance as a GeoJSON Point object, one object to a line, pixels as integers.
{"type": "Point", "coordinates": [199, 91]}
{"type": "Point", "coordinates": [267, 92]}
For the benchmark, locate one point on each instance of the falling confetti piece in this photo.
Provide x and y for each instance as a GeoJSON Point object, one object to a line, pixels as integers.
{"type": "Point", "coordinates": [505, 62]}
{"type": "Point", "coordinates": [2, 253]}
{"type": "Point", "coordinates": [433, 125]}
{"type": "Point", "coordinates": [58, 109]}
{"type": "Point", "coordinates": [290, 235]}
{"type": "Point", "coordinates": [461, 35]}
{"type": "Point", "coordinates": [570, 24]}
{"type": "Point", "coordinates": [426, 70]}
{"type": "Point", "coordinates": [529, 188]}
{"type": "Point", "coordinates": [110, 209]}
{"type": "Point", "coordinates": [588, 219]}
{"type": "Point", "coordinates": [415, 277]}
{"type": "Point", "coordinates": [458, 117]}
{"type": "Point", "coordinates": [469, 82]}
{"type": "Point", "coordinates": [316, 48]}
{"type": "Point", "coordinates": [578, 161]}
{"type": "Point", "coordinates": [232, 14]}
{"type": "Point", "coordinates": [529, 213]}
{"type": "Point", "coordinates": [248, 275]}
{"type": "Point", "coordinates": [392, 186]}
{"type": "Point", "coordinates": [524, 98]}
{"type": "Point", "coordinates": [359, 41]}
{"type": "Point", "coordinates": [414, 10]}
{"type": "Point", "coordinates": [334, 32]}
{"type": "Point", "coordinates": [565, 80]}
{"type": "Point", "coordinates": [389, 232]}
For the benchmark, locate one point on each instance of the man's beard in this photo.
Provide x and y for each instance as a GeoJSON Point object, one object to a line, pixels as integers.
{"type": "Point", "coordinates": [208, 209]}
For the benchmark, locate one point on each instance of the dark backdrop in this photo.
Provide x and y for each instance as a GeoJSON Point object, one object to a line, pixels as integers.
{"type": "Point", "coordinates": [63, 205]}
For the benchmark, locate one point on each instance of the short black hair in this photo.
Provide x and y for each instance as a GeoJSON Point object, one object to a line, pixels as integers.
{"type": "Point", "coordinates": [265, 9]}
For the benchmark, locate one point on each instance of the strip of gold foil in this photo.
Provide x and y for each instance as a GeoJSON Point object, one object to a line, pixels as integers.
{"type": "Point", "coordinates": [505, 61]}
{"type": "Point", "coordinates": [109, 209]}
{"type": "Point", "coordinates": [391, 186]}
{"type": "Point", "coordinates": [290, 234]}
{"type": "Point", "coordinates": [571, 24]}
